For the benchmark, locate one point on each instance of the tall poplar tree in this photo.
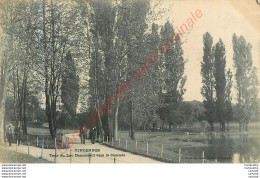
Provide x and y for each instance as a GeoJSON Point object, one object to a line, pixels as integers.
{"type": "Point", "coordinates": [70, 86]}
{"type": "Point", "coordinates": [228, 97]}
{"type": "Point", "coordinates": [208, 79]}
{"type": "Point", "coordinates": [220, 78]}
{"type": "Point", "coordinates": [174, 78]}
{"type": "Point", "coordinates": [133, 26]}
{"type": "Point", "coordinates": [246, 81]}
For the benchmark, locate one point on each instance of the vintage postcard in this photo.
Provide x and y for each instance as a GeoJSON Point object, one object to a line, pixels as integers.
{"type": "Point", "coordinates": [129, 81]}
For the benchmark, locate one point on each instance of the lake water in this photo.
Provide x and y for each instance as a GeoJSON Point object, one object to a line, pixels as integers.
{"type": "Point", "coordinates": [239, 148]}
{"type": "Point", "coordinates": [226, 148]}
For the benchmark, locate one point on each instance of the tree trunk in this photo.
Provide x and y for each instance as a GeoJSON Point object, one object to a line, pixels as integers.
{"type": "Point", "coordinates": [100, 126]}
{"type": "Point", "coordinates": [14, 84]}
{"type": "Point", "coordinates": [24, 105]}
{"type": "Point", "coordinates": [54, 117]}
{"type": "Point", "coordinates": [132, 121]}
{"type": "Point", "coordinates": [170, 126]}
{"type": "Point", "coordinates": [2, 103]}
{"type": "Point", "coordinates": [2, 122]}
{"type": "Point", "coordinates": [96, 89]}
{"type": "Point", "coordinates": [115, 123]}
{"type": "Point", "coordinates": [163, 126]}
{"type": "Point", "coordinates": [106, 127]}
{"type": "Point", "coordinates": [240, 126]}
{"type": "Point", "coordinates": [246, 125]}
{"type": "Point", "coordinates": [211, 126]}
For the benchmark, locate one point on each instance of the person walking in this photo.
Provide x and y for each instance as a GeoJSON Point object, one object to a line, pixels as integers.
{"type": "Point", "coordinates": [84, 133]}
{"type": "Point", "coordinates": [81, 135]}
{"type": "Point", "coordinates": [18, 132]}
{"type": "Point", "coordinates": [93, 135]}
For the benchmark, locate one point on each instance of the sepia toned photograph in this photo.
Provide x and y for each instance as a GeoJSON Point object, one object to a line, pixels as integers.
{"type": "Point", "coordinates": [129, 81]}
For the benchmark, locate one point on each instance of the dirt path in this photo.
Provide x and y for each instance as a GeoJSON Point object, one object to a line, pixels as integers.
{"type": "Point", "coordinates": [9, 156]}
{"type": "Point", "coordinates": [80, 154]}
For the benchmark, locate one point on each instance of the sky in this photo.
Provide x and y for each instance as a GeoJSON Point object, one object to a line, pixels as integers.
{"type": "Point", "coordinates": [221, 19]}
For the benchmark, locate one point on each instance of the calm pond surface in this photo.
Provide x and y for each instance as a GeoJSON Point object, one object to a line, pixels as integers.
{"type": "Point", "coordinates": [225, 148]}
{"type": "Point", "coordinates": [240, 148]}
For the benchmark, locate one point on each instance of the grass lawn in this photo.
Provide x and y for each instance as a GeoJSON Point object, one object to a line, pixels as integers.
{"type": "Point", "coordinates": [219, 147]}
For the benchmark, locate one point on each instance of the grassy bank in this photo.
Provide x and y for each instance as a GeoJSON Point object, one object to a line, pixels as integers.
{"type": "Point", "coordinates": [191, 147]}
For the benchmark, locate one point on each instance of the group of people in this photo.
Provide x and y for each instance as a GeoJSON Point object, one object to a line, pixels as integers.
{"type": "Point", "coordinates": [92, 134]}
{"type": "Point", "coordinates": [18, 132]}
{"type": "Point", "coordinates": [9, 133]}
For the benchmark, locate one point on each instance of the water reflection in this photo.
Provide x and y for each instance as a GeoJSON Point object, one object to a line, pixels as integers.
{"type": "Point", "coordinates": [227, 148]}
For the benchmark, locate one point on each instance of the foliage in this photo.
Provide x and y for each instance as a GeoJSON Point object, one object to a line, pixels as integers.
{"type": "Point", "coordinates": [208, 79]}
{"type": "Point", "coordinates": [246, 81]}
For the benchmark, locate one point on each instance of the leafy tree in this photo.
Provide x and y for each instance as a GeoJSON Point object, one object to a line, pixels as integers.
{"type": "Point", "coordinates": [7, 10]}
{"type": "Point", "coordinates": [246, 80]}
{"type": "Point", "coordinates": [103, 26]}
{"type": "Point", "coordinates": [132, 18]}
{"type": "Point", "coordinates": [174, 79]}
{"type": "Point", "coordinates": [60, 34]}
{"type": "Point", "coordinates": [21, 49]}
{"type": "Point", "coordinates": [191, 111]}
{"type": "Point", "coordinates": [208, 79]}
{"type": "Point", "coordinates": [148, 90]}
{"type": "Point", "coordinates": [228, 97]}
{"type": "Point", "coordinates": [220, 78]}
{"type": "Point", "coordinates": [70, 86]}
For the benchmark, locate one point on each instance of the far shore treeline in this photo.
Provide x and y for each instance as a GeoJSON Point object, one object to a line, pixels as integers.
{"type": "Point", "coordinates": [61, 60]}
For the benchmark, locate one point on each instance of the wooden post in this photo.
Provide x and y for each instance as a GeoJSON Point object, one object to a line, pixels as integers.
{"type": "Point", "coordinates": [37, 141]}
{"type": "Point", "coordinates": [89, 158]}
{"type": "Point", "coordinates": [28, 148]}
{"type": "Point", "coordinates": [202, 156]}
{"type": "Point", "coordinates": [99, 138]}
{"type": "Point", "coordinates": [103, 140]}
{"type": "Point", "coordinates": [70, 156]}
{"type": "Point", "coordinates": [47, 142]}
{"type": "Point", "coordinates": [162, 151]}
{"type": "Point", "coordinates": [179, 155]}
{"type": "Point", "coordinates": [114, 160]}
{"type": "Point", "coordinates": [119, 142]}
{"type": "Point", "coordinates": [126, 144]}
{"type": "Point", "coordinates": [16, 144]}
{"type": "Point", "coordinates": [136, 144]}
{"type": "Point", "coordinates": [147, 148]}
{"type": "Point", "coordinates": [107, 139]}
{"type": "Point", "coordinates": [112, 141]}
